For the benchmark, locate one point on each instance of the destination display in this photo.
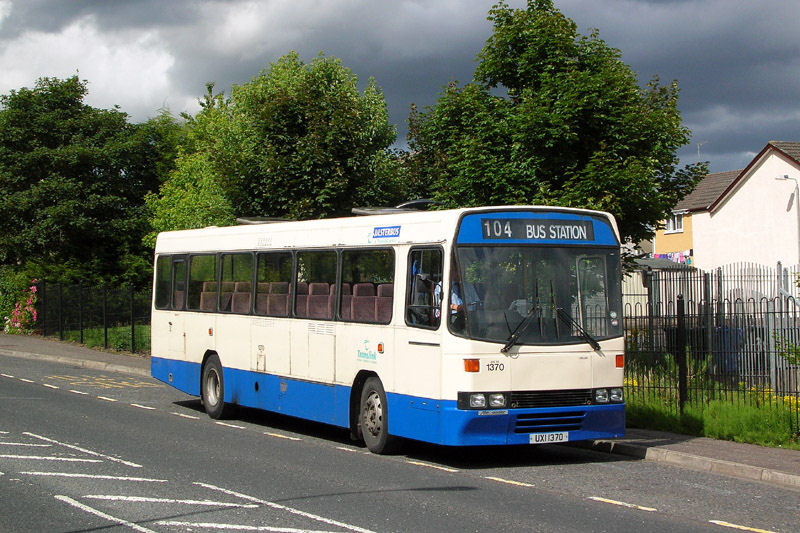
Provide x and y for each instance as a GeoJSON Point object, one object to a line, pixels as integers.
{"type": "Point", "coordinates": [537, 229]}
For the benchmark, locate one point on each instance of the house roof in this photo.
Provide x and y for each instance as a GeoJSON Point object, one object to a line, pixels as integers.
{"type": "Point", "coordinates": [788, 149]}
{"type": "Point", "coordinates": [707, 191]}
{"type": "Point", "coordinates": [714, 187]}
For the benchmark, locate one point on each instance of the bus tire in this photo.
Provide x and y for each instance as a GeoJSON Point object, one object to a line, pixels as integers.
{"type": "Point", "coordinates": [212, 388]}
{"type": "Point", "coordinates": [373, 417]}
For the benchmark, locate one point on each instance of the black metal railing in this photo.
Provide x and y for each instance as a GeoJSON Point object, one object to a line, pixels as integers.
{"type": "Point", "coordinates": [111, 317]}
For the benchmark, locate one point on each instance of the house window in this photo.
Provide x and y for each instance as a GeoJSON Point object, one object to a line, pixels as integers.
{"type": "Point", "coordinates": [674, 224]}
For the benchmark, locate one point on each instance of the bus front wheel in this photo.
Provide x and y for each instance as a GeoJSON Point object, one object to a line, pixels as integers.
{"type": "Point", "coordinates": [212, 388]}
{"type": "Point", "coordinates": [373, 417]}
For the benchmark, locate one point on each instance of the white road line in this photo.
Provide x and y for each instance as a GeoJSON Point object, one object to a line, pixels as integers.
{"type": "Point", "coordinates": [143, 499]}
{"type": "Point", "coordinates": [143, 407]}
{"type": "Point", "coordinates": [93, 476]}
{"type": "Point", "coordinates": [285, 508]}
{"type": "Point", "coordinates": [345, 449]}
{"type": "Point", "coordinates": [182, 415]}
{"type": "Point", "coordinates": [101, 514]}
{"type": "Point", "coordinates": [279, 436]}
{"type": "Point", "coordinates": [235, 527]}
{"type": "Point", "coordinates": [622, 504]}
{"type": "Point", "coordinates": [229, 425]}
{"type": "Point", "coordinates": [7, 376]}
{"type": "Point", "coordinates": [106, 399]}
{"type": "Point", "coordinates": [46, 458]}
{"type": "Point", "coordinates": [26, 444]}
{"type": "Point", "coordinates": [736, 526]}
{"type": "Point", "coordinates": [50, 386]}
{"type": "Point", "coordinates": [79, 392]}
{"type": "Point", "coordinates": [428, 465]}
{"type": "Point", "coordinates": [26, 380]}
{"type": "Point", "coordinates": [84, 450]}
{"type": "Point", "coordinates": [509, 481]}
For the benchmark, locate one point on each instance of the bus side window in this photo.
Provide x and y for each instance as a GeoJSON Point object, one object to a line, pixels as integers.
{"type": "Point", "coordinates": [178, 283]}
{"type": "Point", "coordinates": [367, 286]}
{"type": "Point", "coordinates": [202, 283]}
{"type": "Point", "coordinates": [163, 281]}
{"type": "Point", "coordinates": [236, 279]}
{"type": "Point", "coordinates": [423, 300]}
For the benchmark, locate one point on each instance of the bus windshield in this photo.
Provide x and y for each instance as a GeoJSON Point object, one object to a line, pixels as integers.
{"type": "Point", "coordinates": [538, 294]}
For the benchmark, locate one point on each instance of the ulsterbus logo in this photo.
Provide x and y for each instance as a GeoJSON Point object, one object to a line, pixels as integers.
{"type": "Point", "coordinates": [386, 232]}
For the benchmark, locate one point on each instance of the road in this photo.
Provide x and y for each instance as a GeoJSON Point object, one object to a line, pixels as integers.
{"type": "Point", "coordinates": [84, 450]}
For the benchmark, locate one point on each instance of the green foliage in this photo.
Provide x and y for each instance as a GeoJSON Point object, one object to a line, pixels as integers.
{"type": "Point", "coordinates": [72, 182]}
{"type": "Point", "coordinates": [191, 198]}
{"type": "Point", "coordinates": [297, 141]}
{"type": "Point", "coordinates": [573, 127]}
{"type": "Point", "coordinates": [755, 423]}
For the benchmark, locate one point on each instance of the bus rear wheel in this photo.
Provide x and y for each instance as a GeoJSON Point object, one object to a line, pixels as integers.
{"type": "Point", "coordinates": [373, 417]}
{"type": "Point", "coordinates": [212, 388]}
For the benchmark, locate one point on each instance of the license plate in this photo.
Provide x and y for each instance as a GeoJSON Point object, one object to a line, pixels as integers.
{"type": "Point", "coordinates": [547, 438]}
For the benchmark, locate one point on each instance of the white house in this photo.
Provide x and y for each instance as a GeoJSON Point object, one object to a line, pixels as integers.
{"type": "Point", "coordinates": [752, 215]}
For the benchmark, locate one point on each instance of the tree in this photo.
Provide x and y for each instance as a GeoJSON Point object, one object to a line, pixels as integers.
{"type": "Point", "coordinates": [571, 127]}
{"type": "Point", "coordinates": [72, 183]}
{"type": "Point", "coordinates": [298, 141]}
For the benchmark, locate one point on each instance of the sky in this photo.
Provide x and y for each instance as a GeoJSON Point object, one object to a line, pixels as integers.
{"type": "Point", "coordinates": [737, 62]}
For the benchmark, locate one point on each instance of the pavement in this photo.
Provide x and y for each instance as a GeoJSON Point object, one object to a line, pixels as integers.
{"type": "Point", "coordinates": [776, 466]}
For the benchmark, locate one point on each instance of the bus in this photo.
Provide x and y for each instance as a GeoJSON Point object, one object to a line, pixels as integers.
{"type": "Point", "coordinates": [465, 327]}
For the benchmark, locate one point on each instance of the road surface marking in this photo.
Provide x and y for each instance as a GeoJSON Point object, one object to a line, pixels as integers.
{"type": "Point", "coordinates": [50, 386]}
{"type": "Point", "coordinates": [234, 527]}
{"type": "Point", "coordinates": [93, 476]}
{"type": "Point", "coordinates": [509, 481]}
{"type": "Point", "coordinates": [143, 499]}
{"type": "Point", "coordinates": [428, 465]}
{"type": "Point", "coordinates": [26, 380]}
{"type": "Point", "coordinates": [143, 407]}
{"type": "Point", "coordinates": [279, 436]}
{"type": "Point", "coordinates": [101, 514]}
{"type": "Point", "coordinates": [46, 458]}
{"type": "Point", "coordinates": [84, 450]}
{"type": "Point", "coordinates": [79, 392]}
{"type": "Point", "coordinates": [285, 508]}
{"type": "Point", "coordinates": [234, 426]}
{"type": "Point", "coordinates": [27, 444]}
{"type": "Point", "coordinates": [7, 376]}
{"type": "Point", "coordinates": [622, 504]}
{"type": "Point", "coordinates": [106, 399]}
{"type": "Point", "coordinates": [186, 416]}
{"type": "Point", "coordinates": [737, 526]}
{"type": "Point", "coordinates": [345, 449]}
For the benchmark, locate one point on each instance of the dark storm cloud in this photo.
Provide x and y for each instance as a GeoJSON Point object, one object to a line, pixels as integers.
{"type": "Point", "coordinates": [737, 62]}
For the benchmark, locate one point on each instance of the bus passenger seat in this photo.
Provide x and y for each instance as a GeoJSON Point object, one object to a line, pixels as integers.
{"type": "Point", "coordinates": [240, 302]}
{"type": "Point", "coordinates": [208, 300]}
{"type": "Point", "coordinates": [318, 300]}
{"type": "Point", "coordinates": [363, 306]}
{"type": "Point", "coordinates": [383, 303]}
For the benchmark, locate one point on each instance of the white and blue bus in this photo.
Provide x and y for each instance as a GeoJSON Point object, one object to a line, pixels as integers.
{"type": "Point", "coordinates": [484, 326]}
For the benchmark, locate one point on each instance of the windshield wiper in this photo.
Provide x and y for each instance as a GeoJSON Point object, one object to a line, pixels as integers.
{"type": "Point", "coordinates": [521, 327]}
{"type": "Point", "coordinates": [563, 315]}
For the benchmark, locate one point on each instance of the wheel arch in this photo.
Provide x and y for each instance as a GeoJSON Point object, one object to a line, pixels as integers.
{"type": "Point", "coordinates": [355, 401]}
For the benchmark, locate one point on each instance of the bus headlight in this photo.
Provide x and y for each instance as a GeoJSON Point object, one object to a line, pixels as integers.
{"type": "Point", "coordinates": [615, 395]}
{"type": "Point", "coordinates": [497, 400]}
{"type": "Point", "coordinates": [601, 395]}
{"type": "Point", "coordinates": [477, 401]}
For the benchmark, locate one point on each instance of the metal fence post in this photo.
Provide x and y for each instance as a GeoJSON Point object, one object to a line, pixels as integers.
{"type": "Point", "coordinates": [133, 321]}
{"type": "Point", "coordinates": [60, 315]}
{"type": "Point", "coordinates": [80, 310]}
{"type": "Point", "coordinates": [105, 317]}
{"type": "Point", "coordinates": [43, 306]}
{"type": "Point", "coordinates": [683, 372]}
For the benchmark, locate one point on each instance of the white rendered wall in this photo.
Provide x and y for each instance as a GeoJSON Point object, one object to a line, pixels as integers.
{"type": "Point", "coordinates": [758, 222]}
